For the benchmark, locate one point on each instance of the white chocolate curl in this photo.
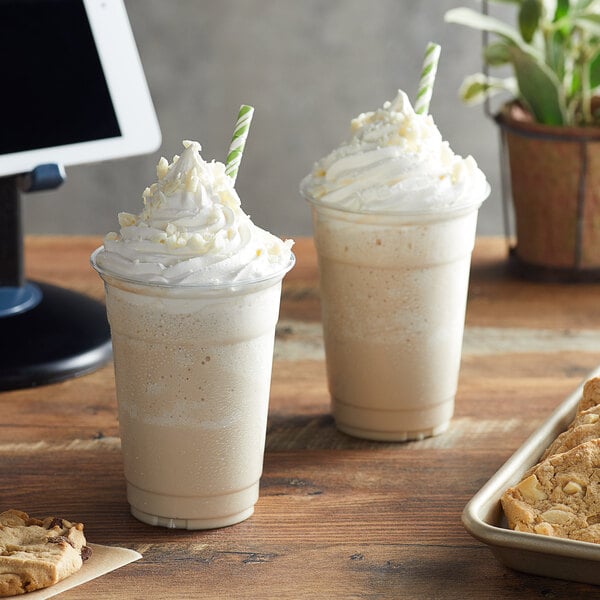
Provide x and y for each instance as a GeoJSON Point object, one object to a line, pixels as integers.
{"type": "Point", "coordinates": [192, 230]}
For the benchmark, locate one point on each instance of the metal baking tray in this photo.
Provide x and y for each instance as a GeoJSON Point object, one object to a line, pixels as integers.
{"type": "Point", "coordinates": [484, 519]}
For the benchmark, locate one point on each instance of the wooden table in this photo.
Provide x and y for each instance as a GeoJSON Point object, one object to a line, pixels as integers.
{"type": "Point", "coordinates": [338, 517]}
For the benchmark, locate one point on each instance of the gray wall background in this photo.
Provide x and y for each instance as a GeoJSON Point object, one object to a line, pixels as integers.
{"type": "Point", "coordinates": [308, 67]}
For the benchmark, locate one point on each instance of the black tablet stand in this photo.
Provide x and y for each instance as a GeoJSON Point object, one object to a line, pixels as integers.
{"type": "Point", "coordinates": [47, 333]}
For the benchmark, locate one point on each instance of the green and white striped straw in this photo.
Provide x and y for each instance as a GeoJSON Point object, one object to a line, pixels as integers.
{"type": "Point", "coordinates": [430, 63]}
{"type": "Point", "coordinates": [238, 141]}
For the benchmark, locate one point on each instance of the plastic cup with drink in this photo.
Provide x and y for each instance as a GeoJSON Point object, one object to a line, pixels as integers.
{"type": "Point", "coordinates": [394, 217]}
{"type": "Point", "coordinates": [192, 292]}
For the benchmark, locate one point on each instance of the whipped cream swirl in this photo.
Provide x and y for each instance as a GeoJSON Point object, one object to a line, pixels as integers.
{"type": "Point", "coordinates": [192, 230]}
{"type": "Point", "coordinates": [396, 160]}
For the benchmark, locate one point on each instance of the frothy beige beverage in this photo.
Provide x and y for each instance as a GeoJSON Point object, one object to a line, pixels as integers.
{"type": "Point", "coordinates": [193, 372]}
{"type": "Point", "coordinates": [394, 216]}
{"type": "Point", "coordinates": [192, 294]}
{"type": "Point", "coordinates": [393, 297]}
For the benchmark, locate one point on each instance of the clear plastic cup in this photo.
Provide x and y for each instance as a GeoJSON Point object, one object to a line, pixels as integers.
{"type": "Point", "coordinates": [393, 296]}
{"type": "Point", "coordinates": [193, 372]}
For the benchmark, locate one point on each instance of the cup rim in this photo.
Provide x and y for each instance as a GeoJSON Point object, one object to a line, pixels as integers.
{"type": "Point", "coordinates": [226, 285]}
{"type": "Point", "coordinates": [440, 212]}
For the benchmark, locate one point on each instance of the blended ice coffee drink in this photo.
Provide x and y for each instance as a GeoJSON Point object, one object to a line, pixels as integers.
{"type": "Point", "coordinates": [394, 215]}
{"type": "Point", "coordinates": [192, 294]}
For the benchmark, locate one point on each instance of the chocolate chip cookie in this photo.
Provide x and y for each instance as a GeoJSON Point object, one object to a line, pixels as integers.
{"type": "Point", "coordinates": [36, 553]}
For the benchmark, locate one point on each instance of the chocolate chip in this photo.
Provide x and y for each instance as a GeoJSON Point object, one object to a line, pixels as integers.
{"type": "Point", "coordinates": [86, 552]}
{"type": "Point", "coordinates": [58, 539]}
{"type": "Point", "coordinates": [56, 521]}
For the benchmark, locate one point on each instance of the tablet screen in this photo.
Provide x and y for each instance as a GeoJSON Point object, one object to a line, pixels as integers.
{"type": "Point", "coordinates": [54, 92]}
{"type": "Point", "coordinates": [73, 89]}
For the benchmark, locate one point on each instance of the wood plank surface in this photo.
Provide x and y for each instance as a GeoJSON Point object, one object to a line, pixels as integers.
{"type": "Point", "coordinates": [338, 517]}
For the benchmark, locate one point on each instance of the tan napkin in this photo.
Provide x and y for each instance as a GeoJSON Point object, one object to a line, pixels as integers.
{"type": "Point", "coordinates": [103, 560]}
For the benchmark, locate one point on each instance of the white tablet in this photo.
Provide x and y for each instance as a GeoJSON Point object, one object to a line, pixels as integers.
{"type": "Point", "coordinates": [73, 87]}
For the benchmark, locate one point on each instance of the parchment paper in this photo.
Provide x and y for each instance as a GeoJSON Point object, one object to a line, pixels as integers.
{"type": "Point", "coordinates": [103, 560]}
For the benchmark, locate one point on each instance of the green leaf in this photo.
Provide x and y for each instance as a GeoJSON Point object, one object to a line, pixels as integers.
{"type": "Point", "coordinates": [539, 88]}
{"type": "Point", "coordinates": [496, 54]}
{"type": "Point", "coordinates": [595, 71]}
{"type": "Point", "coordinates": [476, 88]}
{"type": "Point", "coordinates": [473, 92]}
{"type": "Point", "coordinates": [575, 88]}
{"type": "Point", "coordinates": [475, 20]}
{"type": "Point", "coordinates": [529, 18]}
{"type": "Point", "coordinates": [580, 4]}
{"type": "Point", "coordinates": [555, 53]}
{"type": "Point", "coordinates": [590, 22]}
{"type": "Point", "coordinates": [562, 9]}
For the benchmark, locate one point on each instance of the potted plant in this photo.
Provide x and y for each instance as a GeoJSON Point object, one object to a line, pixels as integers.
{"type": "Point", "coordinates": [550, 129]}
